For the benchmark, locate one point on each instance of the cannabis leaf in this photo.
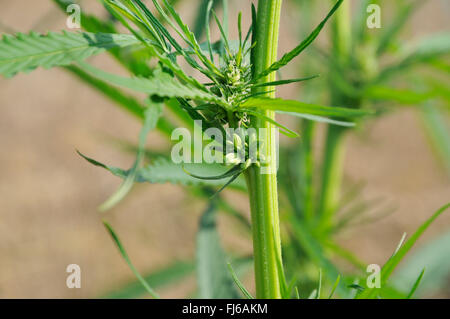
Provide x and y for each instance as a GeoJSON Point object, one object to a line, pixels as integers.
{"type": "Point", "coordinates": [163, 171]}
{"type": "Point", "coordinates": [26, 52]}
{"type": "Point", "coordinates": [161, 84]}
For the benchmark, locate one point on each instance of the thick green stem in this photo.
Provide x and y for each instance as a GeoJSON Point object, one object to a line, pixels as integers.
{"type": "Point", "coordinates": [262, 186]}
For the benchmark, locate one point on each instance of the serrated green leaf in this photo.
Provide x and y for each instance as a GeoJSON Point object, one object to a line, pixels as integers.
{"type": "Point", "coordinates": [161, 84]}
{"type": "Point", "coordinates": [89, 22]}
{"type": "Point", "coordinates": [134, 60]}
{"type": "Point", "coordinates": [163, 171]}
{"type": "Point", "coordinates": [26, 52]}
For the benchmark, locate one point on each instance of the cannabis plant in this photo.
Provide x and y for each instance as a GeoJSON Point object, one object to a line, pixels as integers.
{"type": "Point", "coordinates": [380, 68]}
{"type": "Point", "coordinates": [232, 96]}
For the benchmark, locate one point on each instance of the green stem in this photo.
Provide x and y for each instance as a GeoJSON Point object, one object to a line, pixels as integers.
{"type": "Point", "coordinates": [262, 187]}
{"type": "Point", "coordinates": [307, 167]}
{"type": "Point", "coordinates": [333, 157]}
{"type": "Point", "coordinates": [331, 175]}
{"type": "Point", "coordinates": [342, 32]}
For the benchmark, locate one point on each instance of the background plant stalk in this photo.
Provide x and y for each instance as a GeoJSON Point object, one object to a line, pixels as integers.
{"type": "Point", "coordinates": [262, 188]}
{"type": "Point", "coordinates": [334, 153]}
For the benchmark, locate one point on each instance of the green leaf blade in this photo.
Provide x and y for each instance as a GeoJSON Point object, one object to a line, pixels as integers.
{"type": "Point", "coordinates": [288, 57]}
{"type": "Point", "coordinates": [238, 283]}
{"type": "Point", "coordinates": [163, 171]}
{"type": "Point", "coordinates": [416, 285]}
{"type": "Point", "coordinates": [435, 257]}
{"type": "Point", "coordinates": [292, 106]}
{"type": "Point", "coordinates": [151, 117]}
{"type": "Point", "coordinates": [395, 259]}
{"type": "Point", "coordinates": [26, 52]}
{"type": "Point", "coordinates": [214, 280]}
{"type": "Point", "coordinates": [161, 84]}
{"type": "Point", "coordinates": [128, 261]}
{"type": "Point", "coordinates": [160, 278]}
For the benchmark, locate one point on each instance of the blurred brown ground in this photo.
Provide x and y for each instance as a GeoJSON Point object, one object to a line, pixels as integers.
{"type": "Point", "coordinates": [49, 196]}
